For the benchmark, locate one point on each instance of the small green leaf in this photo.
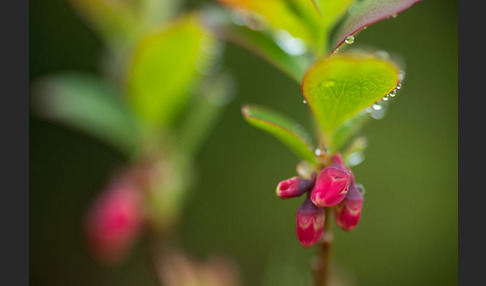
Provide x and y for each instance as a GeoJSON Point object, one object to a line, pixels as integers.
{"type": "Point", "coordinates": [115, 21]}
{"type": "Point", "coordinates": [338, 88]}
{"type": "Point", "coordinates": [332, 10]}
{"type": "Point", "coordinates": [166, 64]}
{"type": "Point", "coordinates": [368, 12]}
{"type": "Point", "coordinates": [283, 128]}
{"type": "Point", "coordinates": [88, 104]}
{"type": "Point", "coordinates": [258, 42]}
{"type": "Point", "coordinates": [277, 13]}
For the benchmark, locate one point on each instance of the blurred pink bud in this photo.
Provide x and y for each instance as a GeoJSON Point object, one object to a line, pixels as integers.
{"type": "Point", "coordinates": [331, 186]}
{"type": "Point", "coordinates": [113, 222]}
{"type": "Point", "coordinates": [294, 187]}
{"type": "Point", "coordinates": [309, 223]}
{"type": "Point", "coordinates": [337, 159]}
{"type": "Point", "coordinates": [348, 212]}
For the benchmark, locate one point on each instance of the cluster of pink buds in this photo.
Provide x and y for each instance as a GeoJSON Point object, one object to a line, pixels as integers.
{"type": "Point", "coordinates": [333, 187]}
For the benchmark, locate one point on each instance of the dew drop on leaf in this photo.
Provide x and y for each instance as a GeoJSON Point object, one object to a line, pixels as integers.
{"type": "Point", "coordinates": [377, 106]}
{"type": "Point", "coordinates": [349, 40]}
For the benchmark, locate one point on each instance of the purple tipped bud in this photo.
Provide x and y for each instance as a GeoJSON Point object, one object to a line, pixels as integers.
{"type": "Point", "coordinates": [331, 186]}
{"type": "Point", "coordinates": [294, 187]}
{"type": "Point", "coordinates": [309, 223]}
{"type": "Point", "coordinates": [347, 213]}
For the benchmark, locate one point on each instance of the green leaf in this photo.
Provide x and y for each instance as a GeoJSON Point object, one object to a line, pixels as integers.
{"type": "Point", "coordinates": [214, 93]}
{"type": "Point", "coordinates": [348, 129]}
{"type": "Point", "coordinates": [115, 21]}
{"type": "Point", "coordinates": [338, 88]}
{"type": "Point", "coordinates": [283, 128]}
{"type": "Point", "coordinates": [166, 64]}
{"type": "Point", "coordinates": [277, 13]}
{"type": "Point", "coordinates": [367, 12]}
{"type": "Point", "coordinates": [332, 10]}
{"type": "Point", "coordinates": [354, 153]}
{"type": "Point", "coordinates": [88, 104]}
{"type": "Point", "coordinates": [257, 42]}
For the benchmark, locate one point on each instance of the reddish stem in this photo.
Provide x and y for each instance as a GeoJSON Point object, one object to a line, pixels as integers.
{"type": "Point", "coordinates": [322, 261]}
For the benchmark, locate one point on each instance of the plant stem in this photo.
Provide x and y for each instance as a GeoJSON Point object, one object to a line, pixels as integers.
{"type": "Point", "coordinates": [322, 262]}
{"type": "Point", "coordinates": [155, 249]}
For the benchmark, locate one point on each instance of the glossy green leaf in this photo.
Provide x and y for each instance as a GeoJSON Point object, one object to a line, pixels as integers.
{"type": "Point", "coordinates": [257, 42]}
{"type": "Point", "coordinates": [283, 128]}
{"type": "Point", "coordinates": [338, 88]}
{"type": "Point", "coordinates": [88, 104]}
{"type": "Point", "coordinates": [277, 13]}
{"type": "Point", "coordinates": [166, 64]}
{"type": "Point", "coordinates": [367, 12]}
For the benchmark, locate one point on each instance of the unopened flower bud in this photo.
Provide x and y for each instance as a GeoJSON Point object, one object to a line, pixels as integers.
{"type": "Point", "coordinates": [331, 186]}
{"type": "Point", "coordinates": [113, 222]}
{"type": "Point", "coordinates": [294, 187]}
{"type": "Point", "coordinates": [309, 223]}
{"type": "Point", "coordinates": [348, 212]}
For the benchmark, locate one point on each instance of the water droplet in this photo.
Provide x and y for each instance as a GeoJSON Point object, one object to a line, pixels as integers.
{"type": "Point", "coordinates": [399, 86]}
{"type": "Point", "coordinates": [354, 159]}
{"type": "Point", "coordinates": [365, 27]}
{"type": "Point", "coordinates": [394, 16]}
{"type": "Point", "coordinates": [377, 106]}
{"type": "Point", "coordinates": [382, 54]}
{"type": "Point", "coordinates": [349, 40]}
{"type": "Point", "coordinates": [378, 114]}
{"type": "Point", "coordinates": [393, 93]}
{"type": "Point", "coordinates": [336, 50]}
{"type": "Point", "coordinates": [401, 75]}
{"type": "Point", "coordinates": [386, 98]}
{"type": "Point", "coordinates": [368, 110]}
{"type": "Point", "coordinates": [304, 101]}
{"type": "Point", "coordinates": [318, 152]}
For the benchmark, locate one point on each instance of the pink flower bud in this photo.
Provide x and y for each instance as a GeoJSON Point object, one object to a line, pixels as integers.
{"type": "Point", "coordinates": [294, 187]}
{"type": "Point", "coordinates": [337, 159]}
{"type": "Point", "coordinates": [309, 223]}
{"type": "Point", "coordinates": [347, 213]}
{"type": "Point", "coordinates": [331, 186]}
{"type": "Point", "coordinates": [113, 222]}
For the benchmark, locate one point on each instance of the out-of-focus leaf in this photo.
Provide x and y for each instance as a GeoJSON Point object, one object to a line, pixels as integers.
{"type": "Point", "coordinates": [339, 87]}
{"type": "Point", "coordinates": [166, 64]}
{"type": "Point", "coordinates": [153, 12]}
{"type": "Point", "coordinates": [258, 42]}
{"type": "Point", "coordinates": [115, 21]}
{"type": "Point", "coordinates": [286, 130]}
{"type": "Point", "coordinates": [354, 153]}
{"type": "Point", "coordinates": [332, 10]}
{"type": "Point", "coordinates": [276, 13]}
{"type": "Point", "coordinates": [348, 129]}
{"type": "Point", "coordinates": [88, 104]}
{"type": "Point", "coordinates": [215, 93]}
{"type": "Point", "coordinates": [367, 12]}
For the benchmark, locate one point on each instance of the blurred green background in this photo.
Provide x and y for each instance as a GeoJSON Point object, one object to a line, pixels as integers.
{"type": "Point", "coordinates": [408, 231]}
